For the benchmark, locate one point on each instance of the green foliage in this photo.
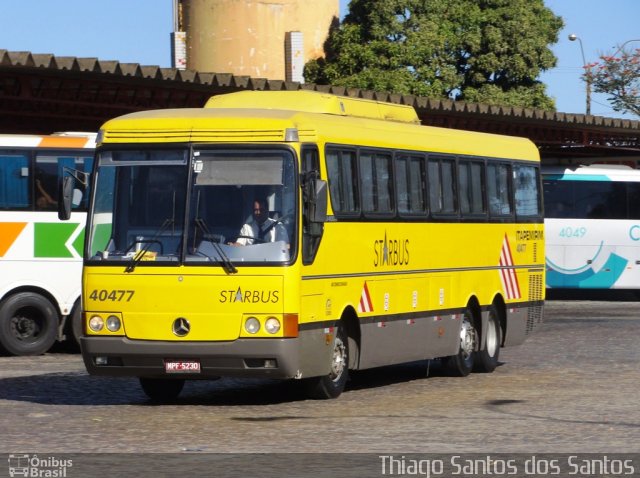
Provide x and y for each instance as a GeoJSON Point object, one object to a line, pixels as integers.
{"type": "Point", "coordinates": [488, 51]}
{"type": "Point", "coordinates": [618, 77]}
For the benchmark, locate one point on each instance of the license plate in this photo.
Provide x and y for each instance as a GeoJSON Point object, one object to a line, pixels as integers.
{"type": "Point", "coordinates": [182, 366]}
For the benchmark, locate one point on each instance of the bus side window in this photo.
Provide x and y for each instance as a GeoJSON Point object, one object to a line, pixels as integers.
{"type": "Point", "coordinates": [442, 186]}
{"type": "Point", "coordinates": [633, 200]}
{"type": "Point", "coordinates": [343, 182]}
{"type": "Point", "coordinates": [311, 231]}
{"type": "Point", "coordinates": [14, 180]}
{"type": "Point", "coordinates": [559, 199]}
{"type": "Point", "coordinates": [499, 189]}
{"type": "Point", "coordinates": [605, 200]}
{"type": "Point", "coordinates": [471, 187]}
{"type": "Point", "coordinates": [527, 191]}
{"type": "Point", "coordinates": [410, 181]}
{"type": "Point", "coordinates": [375, 180]}
{"type": "Point", "coordinates": [83, 164]}
{"type": "Point", "coordinates": [46, 182]}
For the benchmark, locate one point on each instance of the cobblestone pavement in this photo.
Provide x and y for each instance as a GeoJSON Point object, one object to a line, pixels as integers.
{"type": "Point", "coordinates": [571, 388]}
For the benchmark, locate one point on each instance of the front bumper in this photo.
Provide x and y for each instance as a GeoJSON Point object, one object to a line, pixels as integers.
{"type": "Point", "coordinates": [146, 358]}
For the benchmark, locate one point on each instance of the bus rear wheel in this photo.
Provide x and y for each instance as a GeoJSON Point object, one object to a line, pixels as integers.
{"type": "Point", "coordinates": [332, 385]}
{"type": "Point", "coordinates": [461, 364]}
{"type": "Point", "coordinates": [486, 360]}
{"type": "Point", "coordinates": [28, 324]}
{"type": "Point", "coordinates": [161, 390]}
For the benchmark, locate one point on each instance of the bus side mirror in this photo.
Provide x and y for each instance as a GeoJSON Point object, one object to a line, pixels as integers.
{"type": "Point", "coordinates": [66, 197]}
{"type": "Point", "coordinates": [319, 201]}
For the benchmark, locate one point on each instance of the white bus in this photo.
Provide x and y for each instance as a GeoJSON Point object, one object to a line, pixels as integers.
{"type": "Point", "coordinates": [40, 256]}
{"type": "Point", "coordinates": [592, 220]}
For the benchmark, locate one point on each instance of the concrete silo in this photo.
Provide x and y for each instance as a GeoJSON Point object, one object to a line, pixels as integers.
{"type": "Point", "coordinates": [258, 38]}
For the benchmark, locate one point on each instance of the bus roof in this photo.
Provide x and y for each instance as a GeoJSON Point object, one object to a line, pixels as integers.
{"type": "Point", "coordinates": [593, 172]}
{"type": "Point", "coordinates": [316, 102]}
{"type": "Point", "coordinates": [63, 140]}
{"type": "Point", "coordinates": [262, 116]}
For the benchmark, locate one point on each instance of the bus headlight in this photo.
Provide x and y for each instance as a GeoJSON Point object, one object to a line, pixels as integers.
{"type": "Point", "coordinates": [252, 325]}
{"type": "Point", "coordinates": [113, 323]}
{"type": "Point", "coordinates": [96, 323]}
{"type": "Point", "coordinates": [272, 325]}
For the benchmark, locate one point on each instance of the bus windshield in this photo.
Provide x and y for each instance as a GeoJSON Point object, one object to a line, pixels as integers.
{"type": "Point", "coordinates": [234, 206]}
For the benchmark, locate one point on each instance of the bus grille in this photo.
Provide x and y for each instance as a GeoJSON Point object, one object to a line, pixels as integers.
{"type": "Point", "coordinates": [195, 135]}
{"type": "Point", "coordinates": [535, 287]}
{"type": "Point", "coordinates": [534, 314]}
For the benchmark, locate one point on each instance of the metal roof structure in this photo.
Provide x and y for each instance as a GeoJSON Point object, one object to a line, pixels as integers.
{"type": "Point", "coordinates": [42, 93]}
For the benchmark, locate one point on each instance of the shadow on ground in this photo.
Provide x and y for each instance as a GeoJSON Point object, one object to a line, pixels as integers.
{"type": "Point", "coordinates": [79, 388]}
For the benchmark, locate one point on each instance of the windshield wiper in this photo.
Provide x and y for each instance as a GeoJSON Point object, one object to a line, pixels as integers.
{"type": "Point", "coordinates": [223, 259]}
{"type": "Point", "coordinates": [135, 260]}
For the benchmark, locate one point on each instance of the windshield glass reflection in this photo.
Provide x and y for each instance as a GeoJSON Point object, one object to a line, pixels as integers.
{"type": "Point", "coordinates": [139, 206]}
{"type": "Point", "coordinates": [241, 207]}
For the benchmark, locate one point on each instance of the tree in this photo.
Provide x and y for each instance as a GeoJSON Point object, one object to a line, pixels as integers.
{"type": "Point", "coordinates": [488, 51]}
{"type": "Point", "coordinates": [618, 77]}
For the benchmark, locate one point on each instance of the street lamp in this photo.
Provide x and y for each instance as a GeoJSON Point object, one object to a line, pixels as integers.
{"type": "Point", "coordinates": [574, 37]}
{"type": "Point", "coordinates": [622, 46]}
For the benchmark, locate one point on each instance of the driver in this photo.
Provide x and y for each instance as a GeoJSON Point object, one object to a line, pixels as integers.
{"type": "Point", "coordinates": [261, 228]}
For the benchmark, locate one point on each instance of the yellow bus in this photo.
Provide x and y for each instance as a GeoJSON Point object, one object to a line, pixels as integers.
{"type": "Point", "coordinates": [301, 235]}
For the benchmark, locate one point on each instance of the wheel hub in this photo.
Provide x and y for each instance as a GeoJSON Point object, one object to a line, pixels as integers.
{"type": "Point", "coordinates": [467, 338]}
{"type": "Point", "coordinates": [23, 327]}
{"type": "Point", "coordinates": [338, 362]}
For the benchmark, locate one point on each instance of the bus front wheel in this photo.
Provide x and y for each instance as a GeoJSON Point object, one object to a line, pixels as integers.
{"type": "Point", "coordinates": [28, 324]}
{"type": "Point", "coordinates": [332, 385]}
{"type": "Point", "coordinates": [76, 327]}
{"type": "Point", "coordinates": [161, 389]}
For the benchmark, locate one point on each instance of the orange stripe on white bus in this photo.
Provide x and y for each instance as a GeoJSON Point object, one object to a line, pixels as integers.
{"type": "Point", "coordinates": [64, 142]}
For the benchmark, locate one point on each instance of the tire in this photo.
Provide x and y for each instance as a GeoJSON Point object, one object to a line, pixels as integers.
{"type": "Point", "coordinates": [332, 385]}
{"type": "Point", "coordinates": [76, 328]}
{"type": "Point", "coordinates": [162, 390]}
{"type": "Point", "coordinates": [73, 330]}
{"type": "Point", "coordinates": [28, 324]}
{"type": "Point", "coordinates": [486, 360]}
{"type": "Point", "coordinates": [461, 364]}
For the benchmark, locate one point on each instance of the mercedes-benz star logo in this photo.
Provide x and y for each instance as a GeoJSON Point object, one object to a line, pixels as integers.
{"type": "Point", "coordinates": [181, 327]}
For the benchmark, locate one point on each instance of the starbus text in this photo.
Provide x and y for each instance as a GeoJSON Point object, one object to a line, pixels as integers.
{"type": "Point", "coordinates": [250, 296]}
{"type": "Point", "coordinates": [391, 252]}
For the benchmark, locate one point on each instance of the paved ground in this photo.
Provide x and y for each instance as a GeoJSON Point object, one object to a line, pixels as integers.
{"type": "Point", "coordinates": [571, 388]}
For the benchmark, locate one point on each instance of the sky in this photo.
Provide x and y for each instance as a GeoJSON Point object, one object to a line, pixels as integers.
{"type": "Point", "coordinates": [138, 31]}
